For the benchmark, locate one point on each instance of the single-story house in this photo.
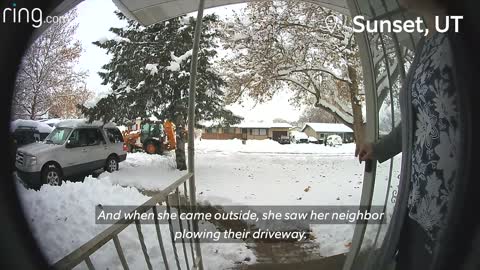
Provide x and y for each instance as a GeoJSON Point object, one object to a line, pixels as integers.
{"type": "Point", "coordinates": [322, 130]}
{"type": "Point", "coordinates": [247, 131]}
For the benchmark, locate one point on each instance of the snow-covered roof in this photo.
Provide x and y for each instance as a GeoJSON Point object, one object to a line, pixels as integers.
{"type": "Point", "coordinates": [209, 123]}
{"type": "Point", "coordinates": [262, 125]}
{"type": "Point", "coordinates": [247, 124]}
{"type": "Point", "coordinates": [53, 121]}
{"type": "Point", "coordinates": [40, 126]}
{"type": "Point", "coordinates": [328, 127]}
{"type": "Point", "coordinates": [74, 123]}
{"type": "Point", "coordinates": [298, 134]}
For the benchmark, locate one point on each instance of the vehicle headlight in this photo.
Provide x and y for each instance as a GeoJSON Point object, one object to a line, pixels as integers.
{"type": "Point", "coordinates": [30, 160]}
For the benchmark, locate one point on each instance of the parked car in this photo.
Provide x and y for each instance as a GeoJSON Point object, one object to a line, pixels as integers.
{"type": "Point", "coordinates": [284, 140]}
{"type": "Point", "coordinates": [313, 140]}
{"type": "Point", "coordinates": [28, 131]}
{"type": "Point", "coordinates": [298, 137]}
{"type": "Point", "coordinates": [73, 149]}
{"type": "Point", "coordinates": [334, 140]}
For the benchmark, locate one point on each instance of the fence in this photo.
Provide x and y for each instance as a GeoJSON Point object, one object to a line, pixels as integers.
{"type": "Point", "coordinates": [191, 251]}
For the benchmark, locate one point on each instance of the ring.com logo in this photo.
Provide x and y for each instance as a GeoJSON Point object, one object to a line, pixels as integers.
{"type": "Point", "coordinates": [34, 16]}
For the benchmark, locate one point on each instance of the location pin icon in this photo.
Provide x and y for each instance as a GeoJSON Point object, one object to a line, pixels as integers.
{"type": "Point", "coordinates": [331, 23]}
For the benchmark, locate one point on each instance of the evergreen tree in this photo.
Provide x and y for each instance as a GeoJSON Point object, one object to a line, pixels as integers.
{"type": "Point", "coordinates": [149, 76]}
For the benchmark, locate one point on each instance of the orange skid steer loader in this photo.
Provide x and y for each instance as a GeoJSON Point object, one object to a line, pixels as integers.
{"type": "Point", "coordinates": [153, 137]}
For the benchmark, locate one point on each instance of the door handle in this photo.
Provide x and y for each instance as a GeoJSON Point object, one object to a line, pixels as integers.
{"type": "Point", "coordinates": [84, 150]}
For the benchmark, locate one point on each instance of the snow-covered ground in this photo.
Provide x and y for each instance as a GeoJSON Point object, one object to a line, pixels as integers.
{"type": "Point", "coordinates": [63, 218]}
{"type": "Point", "coordinates": [227, 173]}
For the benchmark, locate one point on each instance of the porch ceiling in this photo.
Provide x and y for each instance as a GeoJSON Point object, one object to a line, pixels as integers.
{"type": "Point", "coordinates": [152, 11]}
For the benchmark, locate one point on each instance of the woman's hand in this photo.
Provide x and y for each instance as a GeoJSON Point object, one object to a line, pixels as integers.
{"type": "Point", "coordinates": [364, 151]}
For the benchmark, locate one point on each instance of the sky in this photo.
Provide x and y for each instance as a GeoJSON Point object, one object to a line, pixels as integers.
{"type": "Point", "coordinates": [95, 17]}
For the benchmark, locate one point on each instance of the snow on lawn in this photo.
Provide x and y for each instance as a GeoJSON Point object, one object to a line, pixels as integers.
{"type": "Point", "coordinates": [227, 173]}
{"type": "Point", "coordinates": [145, 172]}
{"type": "Point", "coordinates": [63, 218]}
{"type": "Point", "coordinates": [261, 172]}
{"type": "Point", "coordinates": [270, 146]}
{"type": "Point", "coordinates": [268, 173]}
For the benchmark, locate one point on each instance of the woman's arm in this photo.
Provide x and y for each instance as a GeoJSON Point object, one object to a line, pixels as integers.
{"type": "Point", "coordinates": [388, 146]}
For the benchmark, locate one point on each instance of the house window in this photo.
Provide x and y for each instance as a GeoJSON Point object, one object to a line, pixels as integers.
{"type": "Point", "coordinates": [229, 130]}
{"type": "Point", "coordinates": [259, 131]}
{"type": "Point", "coordinates": [212, 130]}
{"type": "Point", "coordinates": [322, 135]}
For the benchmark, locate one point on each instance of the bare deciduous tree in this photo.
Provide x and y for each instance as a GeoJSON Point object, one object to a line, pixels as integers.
{"type": "Point", "coordinates": [47, 69]}
{"type": "Point", "coordinates": [279, 44]}
{"type": "Point", "coordinates": [67, 101]}
{"type": "Point", "coordinates": [315, 115]}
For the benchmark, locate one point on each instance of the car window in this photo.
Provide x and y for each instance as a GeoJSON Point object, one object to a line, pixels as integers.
{"type": "Point", "coordinates": [78, 138]}
{"type": "Point", "coordinates": [146, 128]}
{"type": "Point", "coordinates": [114, 135]}
{"type": "Point", "coordinates": [58, 135]}
{"type": "Point", "coordinates": [94, 137]}
{"type": "Point", "coordinates": [86, 137]}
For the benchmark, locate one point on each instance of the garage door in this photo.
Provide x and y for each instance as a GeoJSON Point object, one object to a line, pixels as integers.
{"type": "Point", "coordinates": [277, 134]}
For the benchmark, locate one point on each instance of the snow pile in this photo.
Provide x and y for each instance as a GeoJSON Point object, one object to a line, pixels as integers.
{"type": "Point", "coordinates": [40, 126]}
{"type": "Point", "coordinates": [145, 172]}
{"type": "Point", "coordinates": [62, 219]}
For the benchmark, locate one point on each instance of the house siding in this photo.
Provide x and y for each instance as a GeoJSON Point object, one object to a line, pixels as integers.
{"type": "Point", "coordinates": [322, 135]}
{"type": "Point", "coordinates": [311, 133]}
{"type": "Point", "coordinates": [238, 133]}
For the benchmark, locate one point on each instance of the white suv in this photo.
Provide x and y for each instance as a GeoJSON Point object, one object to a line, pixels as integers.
{"type": "Point", "coordinates": [334, 140]}
{"type": "Point", "coordinates": [75, 148]}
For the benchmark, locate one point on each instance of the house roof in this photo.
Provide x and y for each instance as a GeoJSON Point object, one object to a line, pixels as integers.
{"type": "Point", "coordinates": [327, 127]}
{"type": "Point", "coordinates": [262, 125]}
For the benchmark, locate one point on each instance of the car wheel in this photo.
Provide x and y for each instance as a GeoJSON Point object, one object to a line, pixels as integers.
{"type": "Point", "coordinates": [52, 175]}
{"type": "Point", "coordinates": [151, 148]}
{"type": "Point", "coordinates": [112, 164]}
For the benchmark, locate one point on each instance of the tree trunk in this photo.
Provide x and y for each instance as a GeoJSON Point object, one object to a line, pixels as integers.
{"type": "Point", "coordinates": [358, 125]}
{"type": "Point", "coordinates": [180, 156]}
{"type": "Point", "coordinates": [34, 108]}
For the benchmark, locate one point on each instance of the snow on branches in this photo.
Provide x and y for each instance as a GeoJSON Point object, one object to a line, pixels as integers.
{"type": "Point", "coordinates": [275, 45]}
